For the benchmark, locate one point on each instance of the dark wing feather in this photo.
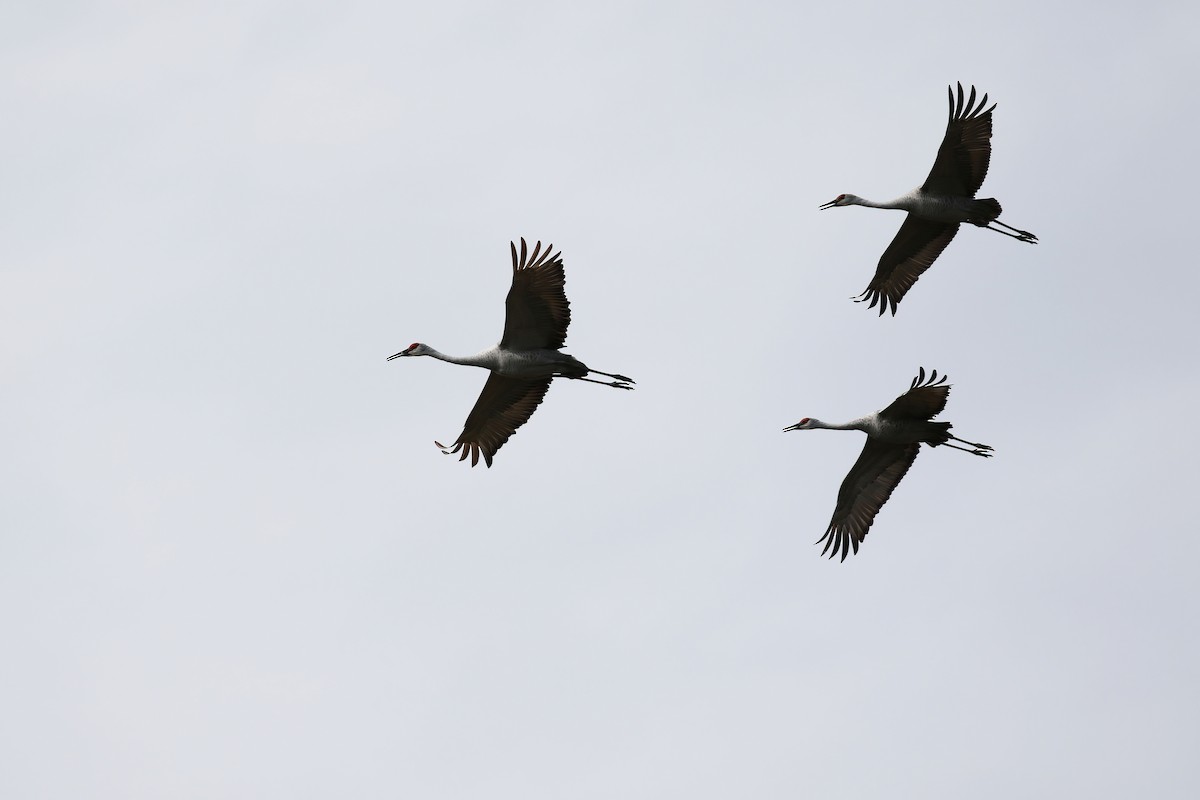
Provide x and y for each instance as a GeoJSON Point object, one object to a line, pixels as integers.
{"type": "Point", "coordinates": [866, 488]}
{"type": "Point", "coordinates": [504, 405]}
{"type": "Point", "coordinates": [924, 400]}
{"type": "Point", "coordinates": [962, 160]}
{"type": "Point", "coordinates": [917, 245]}
{"type": "Point", "coordinates": [537, 312]}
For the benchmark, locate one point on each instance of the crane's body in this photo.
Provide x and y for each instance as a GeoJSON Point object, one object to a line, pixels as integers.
{"type": "Point", "coordinates": [937, 207]}
{"type": "Point", "coordinates": [526, 360]}
{"type": "Point", "coordinates": [538, 363]}
{"type": "Point", "coordinates": [889, 431]}
{"type": "Point", "coordinates": [894, 437]}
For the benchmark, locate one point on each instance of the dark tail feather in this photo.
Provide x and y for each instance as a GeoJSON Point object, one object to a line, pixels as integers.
{"type": "Point", "coordinates": [984, 211]}
{"type": "Point", "coordinates": [939, 433]}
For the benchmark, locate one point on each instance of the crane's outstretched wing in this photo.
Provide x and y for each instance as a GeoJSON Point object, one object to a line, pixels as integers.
{"type": "Point", "coordinates": [962, 160]}
{"type": "Point", "coordinates": [917, 245]}
{"type": "Point", "coordinates": [925, 399]}
{"type": "Point", "coordinates": [866, 488]}
{"type": "Point", "coordinates": [504, 405]}
{"type": "Point", "coordinates": [537, 312]}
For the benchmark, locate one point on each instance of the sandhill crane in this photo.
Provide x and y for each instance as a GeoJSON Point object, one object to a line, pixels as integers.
{"type": "Point", "coordinates": [894, 436]}
{"type": "Point", "coordinates": [527, 359]}
{"type": "Point", "coordinates": [938, 206]}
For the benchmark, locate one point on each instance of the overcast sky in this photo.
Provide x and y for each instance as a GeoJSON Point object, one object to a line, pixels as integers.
{"type": "Point", "coordinates": [233, 564]}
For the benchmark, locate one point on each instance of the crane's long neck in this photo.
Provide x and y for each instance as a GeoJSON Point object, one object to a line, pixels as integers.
{"type": "Point", "coordinates": [904, 203]}
{"type": "Point", "coordinates": [486, 359]}
{"type": "Point", "coordinates": [860, 424]}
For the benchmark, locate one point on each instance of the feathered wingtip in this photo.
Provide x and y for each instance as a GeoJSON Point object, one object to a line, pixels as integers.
{"type": "Point", "coordinates": [884, 301]}
{"type": "Point", "coordinates": [959, 111]}
{"type": "Point", "coordinates": [468, 449]}
{"type": "Point", "coordinates": [876, 296]}
{"type": "Point", "coordinates": [531, 261]}
{"type": "Point", "coordinates": [919, 381]}
{"type": "Point", "coordinates": [838, 540]}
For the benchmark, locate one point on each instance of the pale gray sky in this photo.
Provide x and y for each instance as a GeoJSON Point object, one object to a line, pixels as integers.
{"type": "Point", "coordinates": [232, 563]}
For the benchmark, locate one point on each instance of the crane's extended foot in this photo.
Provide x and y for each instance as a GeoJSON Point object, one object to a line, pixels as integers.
{"type": "Point", "coordinates": [975, 449]}
{"type": "Point", "coordinates": [975, 452]}
{"type": "Point", "coordinates": [614, 384]}
{"type": "Point", "coordinates": [620, 378]}
{"type": "Point", "coordinates": [1024, 234]}
{"type": "Point", "coordinates": [1017, 233]}
{"type": "Point", "coordinates": [973, 444]}
{"type": "Point", "coordinates": [1020, 236]}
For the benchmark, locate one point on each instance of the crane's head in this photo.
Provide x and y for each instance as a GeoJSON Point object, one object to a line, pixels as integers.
{"type": "Point", "coordinates": [840, 200]}
{"type": "Point", "coordinates": [414, 349]}
{"type": "Point", "coordinates": [805, 424]}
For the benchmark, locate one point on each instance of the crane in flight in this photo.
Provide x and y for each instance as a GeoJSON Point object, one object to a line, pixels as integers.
{"type": "Point", "coordinates": [525, 361]}
{"type": "Point", "coordinates": [938, 206]}
{"type": "Point", "coordinates": [894, 435]}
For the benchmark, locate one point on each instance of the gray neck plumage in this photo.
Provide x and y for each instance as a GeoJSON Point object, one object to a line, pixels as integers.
{"type": "Point", "coordinates": [477, 360]}
{"type": "Point", "coordinates": [860, 424]}
{"type": "Point", "coordinates": [903, 203]}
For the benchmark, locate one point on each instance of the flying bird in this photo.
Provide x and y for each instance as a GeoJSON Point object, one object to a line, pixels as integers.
{"type": "Point", "coordinates": [525, 361]}
{"type": "Point", "coordinates": [894, 435]}
{"type": "Point", "coordinates": [938, 206]}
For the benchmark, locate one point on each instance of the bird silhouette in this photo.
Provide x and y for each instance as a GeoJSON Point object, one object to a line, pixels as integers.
{"type": "Point", "coordinates": [525, 361]}
{"type": "Point", "coordinates": [938, 206]}
{"type": "Point", "coordinates": [894, 436]}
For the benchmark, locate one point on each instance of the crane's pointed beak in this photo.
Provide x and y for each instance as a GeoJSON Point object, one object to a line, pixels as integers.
{"type": "Point", "coordinates": [824, 206]}
{"type": "Point", "coordinates": [795, 427]}
{"type": "Point", "coordinates": [401, 353]}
